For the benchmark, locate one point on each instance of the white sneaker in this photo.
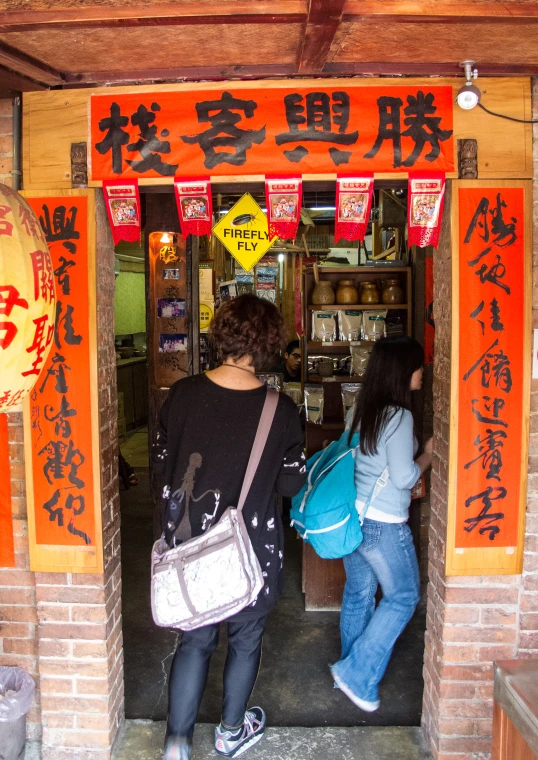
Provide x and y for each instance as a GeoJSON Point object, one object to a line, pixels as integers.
{"type": "Point", "coordinates": [234, 743]}
{"type": "Point", "coordinates": [362, 703]}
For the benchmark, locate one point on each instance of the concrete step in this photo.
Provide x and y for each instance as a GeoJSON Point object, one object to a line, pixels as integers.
{"type": "Point", "coordinates": [143, 740]}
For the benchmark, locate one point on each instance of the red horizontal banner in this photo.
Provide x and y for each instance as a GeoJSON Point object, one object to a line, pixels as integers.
{"type": "Point", "coordinates": [287, 130]}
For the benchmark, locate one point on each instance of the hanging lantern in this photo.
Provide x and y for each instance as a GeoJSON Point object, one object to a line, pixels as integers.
{"type": "Point", "coordinates": [27, 299]}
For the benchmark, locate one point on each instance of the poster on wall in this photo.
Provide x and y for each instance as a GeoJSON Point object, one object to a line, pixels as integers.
{"type": "Point", "coordinates": [244, 128]}
{"type": "Point", "coordinates": [61, 413]}
{"type": "Point", "coordinates": [490, 371]}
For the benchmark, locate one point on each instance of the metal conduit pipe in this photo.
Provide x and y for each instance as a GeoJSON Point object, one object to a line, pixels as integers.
{"type": "Point", "coordinates": [16, 171]}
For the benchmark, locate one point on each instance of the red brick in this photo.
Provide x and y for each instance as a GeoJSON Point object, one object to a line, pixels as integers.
{"type": "Point", "coordinates": [16, 596]}
{"type": "Point", "coordinates": [57, 613]}
{"type": "Point", "coordinates": [20, 646]}
{"type": "Point", "coordinates": [88, 614]}
{"type": "Point", "coordinates": [479, 634]}
{"type": "Point", "coordinates": [456, 726]}
{"type": "Point", "coordinates": [72, 631]}
{"type": "Point", "coordinates": [497, 616]}
{"type": "Point", "coordinates": [73, 594]}
{"type": "Point", "coordinates": [58, 720]}
{"type": "Point", "coordinates": [51, 685]}
{"type": "Point", "coordinates": [54, 648]}
{"type": "Point", "coordinates": [74, 704]}
{"type": "Point", "coordinates": [92, 686]}
{"type": "Point", "coordinates": [96, 649]}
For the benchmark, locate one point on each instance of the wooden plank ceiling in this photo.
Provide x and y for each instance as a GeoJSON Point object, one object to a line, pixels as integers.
{"type": "Point", "coordinates": [76, 43]}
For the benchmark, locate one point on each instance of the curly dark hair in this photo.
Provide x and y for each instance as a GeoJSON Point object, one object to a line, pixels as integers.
{"type": "Point", "coordinates": [248, 326]}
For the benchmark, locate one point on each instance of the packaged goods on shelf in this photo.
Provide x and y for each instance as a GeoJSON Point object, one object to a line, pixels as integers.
{"type": "Point", "coordinates": [350, 391]}
{"type": "Point", "coordinates": [373, 325]}
{"type": "Point", "coordinates": [313, 397]}
{"type": "Point", "coordinates": [360, 355]}
{"type": "Point", "coordinates": [293, 390]}
{"type": "Point", "coordinates": [324, 325]}
{"type": "Point", "coordinates": [349, 324]}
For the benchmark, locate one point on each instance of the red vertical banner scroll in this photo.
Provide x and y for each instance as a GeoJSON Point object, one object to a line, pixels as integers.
{"type": "Point", "coordinates": [490, 378]}
{"type": "Point", "coordinates": [284, 198]}
{"type": "Point", "coordinates": [7, 551]}
{"type": "Point", "coordinates": [61, 414]}
{"type": "Point", "coordinates": [353, 205]}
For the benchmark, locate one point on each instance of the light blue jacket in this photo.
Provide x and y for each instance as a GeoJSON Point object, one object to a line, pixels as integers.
{"type": "Point", "coordinates": [396, 450]}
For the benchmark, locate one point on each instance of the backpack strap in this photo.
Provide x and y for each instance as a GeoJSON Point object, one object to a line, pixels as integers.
{"type": "Point", "coordinates": [379, 485]}
{"type": "Point", "coordinates": [262, 433]}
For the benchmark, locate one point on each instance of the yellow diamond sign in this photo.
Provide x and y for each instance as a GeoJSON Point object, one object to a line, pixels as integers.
{"type": "Point", "coordinates": [244, 232]}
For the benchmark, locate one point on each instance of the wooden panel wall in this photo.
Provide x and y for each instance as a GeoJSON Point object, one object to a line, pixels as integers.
{"type": "Point", "coordinates": [53, 120]}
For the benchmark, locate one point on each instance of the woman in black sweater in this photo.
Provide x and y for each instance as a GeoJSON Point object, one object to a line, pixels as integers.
{"type": "Point", "coordinates": [208, 424]}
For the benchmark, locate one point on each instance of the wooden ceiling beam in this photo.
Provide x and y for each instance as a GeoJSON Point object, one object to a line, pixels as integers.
{"type": "Point", "coordinates": [29, 67]}
{"type": "Point", "coordinates": [433, 69]}
{"type": "Point", "coordinates": [185, 73]}
{"type": "Point", "coordinates": [324, 17]}
{"type": "Point", "coordinates": [264, 11]}
{"type": "Point", "coordinates": [11, 84]}
{"type": "Point", "coordinates": [429, 11]}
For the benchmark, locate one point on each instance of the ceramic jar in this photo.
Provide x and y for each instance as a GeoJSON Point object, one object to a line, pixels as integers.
{"type": "Point", "coordinates": [392, 292]}
{"type": "Point", "coordinates": [323, 293]}
{"type": "Point", "coordinates": [325, 368]}
{"type": "Point", "coordinates": [347, 293]}
{"type": "Point", "coordinates": [369, 293]}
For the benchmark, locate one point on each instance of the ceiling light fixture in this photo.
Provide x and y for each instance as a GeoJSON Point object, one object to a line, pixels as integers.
{"type": "Point", "coordinates": [469, 95]}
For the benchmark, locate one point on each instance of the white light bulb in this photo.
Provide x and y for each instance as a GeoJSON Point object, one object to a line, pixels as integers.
{"type": "Point", "coordinates": [165, 238]}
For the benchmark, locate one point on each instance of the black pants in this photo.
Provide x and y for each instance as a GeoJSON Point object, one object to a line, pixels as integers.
{"type": "Point", "coordinates": [190, 666]}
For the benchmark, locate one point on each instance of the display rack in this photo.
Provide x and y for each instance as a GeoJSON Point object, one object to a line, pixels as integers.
{"type": "Point", "coordinates": [323, 580]}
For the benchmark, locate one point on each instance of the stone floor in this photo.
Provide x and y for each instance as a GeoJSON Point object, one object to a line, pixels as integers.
{"type": "Point", "coordinates": [143, 740]}
{"type": "Point", "coordinates": [135, 447]}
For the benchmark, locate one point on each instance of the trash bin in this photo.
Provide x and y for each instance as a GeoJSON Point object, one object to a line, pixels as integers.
{"type": "Point", "coordinates": [16, 693]}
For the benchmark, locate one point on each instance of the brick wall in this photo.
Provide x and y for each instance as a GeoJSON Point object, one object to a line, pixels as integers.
{"type": "Point", "coordinates": [18, 621]}
{"type": "Point", "coordinates": [79, 616]}
{"type": "Point", "coordinates": [472, 621]}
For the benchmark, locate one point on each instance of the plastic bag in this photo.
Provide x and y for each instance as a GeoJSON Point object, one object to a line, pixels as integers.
{"type": "Point", "coordinates": [16, 693]}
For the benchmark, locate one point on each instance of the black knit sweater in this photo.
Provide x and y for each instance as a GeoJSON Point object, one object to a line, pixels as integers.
{"type": "Point", "coordinates": [206, 435]}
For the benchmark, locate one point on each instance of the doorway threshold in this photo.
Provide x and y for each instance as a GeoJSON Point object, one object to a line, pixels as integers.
{"type": "Point", "coordinates": [144, 739]}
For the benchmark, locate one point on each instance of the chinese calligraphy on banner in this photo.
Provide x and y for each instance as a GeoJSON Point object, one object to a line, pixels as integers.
{"type": "Point", "coordinates": [491, 341]}
{"type": "Point", "coordinates": [61, 414]}
{"type": "Point", "coordinates": [253, 128]}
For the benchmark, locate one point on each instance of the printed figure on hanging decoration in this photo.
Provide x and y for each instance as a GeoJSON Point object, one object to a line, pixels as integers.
{"type": "Point", "coordinates": [325, 121]}
{"type": "Point", "coordinates": [423, 127]}
{"type": "Point", "coordinates": [195, 208]}
{"type": "Point", "coordinates": [352, 207]}
{"type": "Point", "coordinates": [224, 114]}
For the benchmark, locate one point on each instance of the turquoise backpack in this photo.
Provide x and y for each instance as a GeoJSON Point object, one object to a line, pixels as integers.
{"type": "Point", "coordinates": [325, 512]}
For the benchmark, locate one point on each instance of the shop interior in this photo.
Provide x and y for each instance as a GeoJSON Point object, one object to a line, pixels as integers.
{"type": "Point", "coordinates": [336, 298]}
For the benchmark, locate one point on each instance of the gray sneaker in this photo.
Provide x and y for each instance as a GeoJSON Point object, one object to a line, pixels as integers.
{"type": "Point", "coordinates": [177, 749]}
{"type": "Point", "coordinates": [233, 744]}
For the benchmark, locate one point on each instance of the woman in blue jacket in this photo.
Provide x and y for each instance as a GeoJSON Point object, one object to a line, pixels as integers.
{"type": "Point", "coordinates": [385, 472]}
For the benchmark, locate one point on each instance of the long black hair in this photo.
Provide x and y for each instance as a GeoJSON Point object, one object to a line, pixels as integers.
{"type": "Point", "coordinates": [386, 387]}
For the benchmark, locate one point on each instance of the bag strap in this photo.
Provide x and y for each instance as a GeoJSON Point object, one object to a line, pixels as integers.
{"type": "Point", "coordinates": [379, 485]}
{"type": "Point", "coordinates": [262, 433]}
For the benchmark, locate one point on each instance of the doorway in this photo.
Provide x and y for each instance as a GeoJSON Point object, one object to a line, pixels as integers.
{"type": "Point", "coordinates": [298, 645]}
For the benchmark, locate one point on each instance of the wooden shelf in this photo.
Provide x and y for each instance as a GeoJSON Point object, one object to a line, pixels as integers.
{"type": "Point", "coordinates": [360, 270]}
{"type": "Point", "coordinates": [334, 379]}
{"type": "Point", "coordinates": [357, 307]}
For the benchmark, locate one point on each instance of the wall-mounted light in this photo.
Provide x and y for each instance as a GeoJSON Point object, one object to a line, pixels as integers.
{"type": "Point", "coordinates": [281, 258]}
{"type": "Point", "coordinates": [469, 95]}
{"type": "Point", "coordinates": [165, 238]}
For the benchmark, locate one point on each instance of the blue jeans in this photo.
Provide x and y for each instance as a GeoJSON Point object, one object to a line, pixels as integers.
{"type": "Point", "coordinates": [386, 556]}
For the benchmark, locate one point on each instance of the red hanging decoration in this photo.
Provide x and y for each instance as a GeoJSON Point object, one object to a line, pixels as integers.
{"type": "Point", "coordinates": [283, 196]}
{"type": "Point", "coordinates": [194, 205]}
{"type": "Point", "coordinates": [122, 201]}
{"type": "Point", "coordinates": [425, 202]}
{"type": "Point", "coordinates": [353, 204]}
